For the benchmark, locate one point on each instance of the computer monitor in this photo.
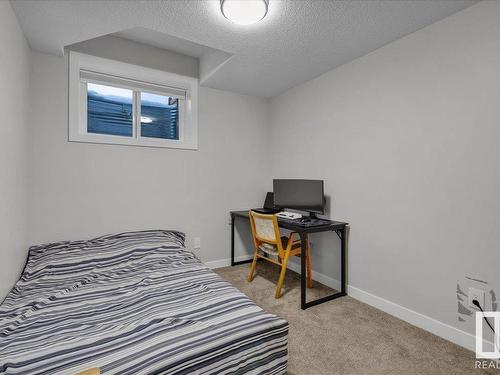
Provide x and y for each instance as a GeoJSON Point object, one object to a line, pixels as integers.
{"type": "Point", "coordinates": [303, 195]}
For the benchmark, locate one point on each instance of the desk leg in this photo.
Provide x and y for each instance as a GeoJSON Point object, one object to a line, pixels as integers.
{"type": "Point", "coordinates": [303, 275]}
{"type": "Point", "coordinates": [343, 244]}
{"type": "Point", "coordinates": [343, 260]}
{"type": "Point", "coordinates": [233, 261]}
{"type": "Point", "coordinates": [232, 240]}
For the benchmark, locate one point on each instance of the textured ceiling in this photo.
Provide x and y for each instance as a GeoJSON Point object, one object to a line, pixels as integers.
{"type": "Point", "coordinates": [297, 41]}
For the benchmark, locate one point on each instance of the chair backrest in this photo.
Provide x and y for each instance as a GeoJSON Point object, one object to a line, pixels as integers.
{"type": "Point", "coordinates": [265, 230]}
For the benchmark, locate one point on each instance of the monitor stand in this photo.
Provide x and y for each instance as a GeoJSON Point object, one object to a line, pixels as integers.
{"type": "Point", "coordinates": [313, 220]}
{"type": "Point", "coordinates": [309, 219]}
{"type": "Point", "coordinates": [312, 216]}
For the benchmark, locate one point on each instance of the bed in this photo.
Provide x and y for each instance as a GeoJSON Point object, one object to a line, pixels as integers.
{"type": "Point", "coordinates": [133, 303]}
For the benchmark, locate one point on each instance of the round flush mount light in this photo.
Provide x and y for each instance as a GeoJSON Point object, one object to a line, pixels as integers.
{"type": "Point", "coordinates": [244, 12]}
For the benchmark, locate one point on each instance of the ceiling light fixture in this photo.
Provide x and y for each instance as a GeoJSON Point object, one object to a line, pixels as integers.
{"type": "Point", "coordinates": [244, 12]}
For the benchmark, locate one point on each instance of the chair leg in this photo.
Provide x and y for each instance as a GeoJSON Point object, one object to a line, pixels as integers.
{"type": "Point", "coordinates": [281, 280]}
{"type": "Point", "coordinates": [252, 267]}
{"type": "Point", "coordinates": [308, 266]}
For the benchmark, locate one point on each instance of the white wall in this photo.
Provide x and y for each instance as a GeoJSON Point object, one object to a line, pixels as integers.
{"type": "Point", "coordinates": [84, 190]}
{"type": "Point", "coordinates": [407, 140]}
{"type": "Point", "coordinates": [14, 106]}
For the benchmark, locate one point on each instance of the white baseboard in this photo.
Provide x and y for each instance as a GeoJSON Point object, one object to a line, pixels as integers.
{"type": "Point", "coordinates": [431, 325]}
{"type": "Point", "coordinates": [226, 262]}
{"type": "Point", "coordinates": [319, 277]}
{"type": "Point", "coordinates": [424, 322]}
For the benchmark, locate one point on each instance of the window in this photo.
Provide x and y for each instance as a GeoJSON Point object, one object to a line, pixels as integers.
{"type": "Point", "coordinates": [159, 116]}
{"type": "Point", "coordinates": [117, 103]}
{"type": "Point", "coordinates": [109, 110]}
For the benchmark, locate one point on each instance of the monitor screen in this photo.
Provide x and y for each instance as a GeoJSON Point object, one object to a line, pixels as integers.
{"type": "Point", "coordinates": [305, 195]}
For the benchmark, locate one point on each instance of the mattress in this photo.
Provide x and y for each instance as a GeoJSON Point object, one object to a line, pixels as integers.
{"type": "Point", "coordinates": [133, 303]}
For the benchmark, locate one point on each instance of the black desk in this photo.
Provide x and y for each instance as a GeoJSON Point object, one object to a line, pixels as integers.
{"type": "Point", "coordinates": [336, 226]}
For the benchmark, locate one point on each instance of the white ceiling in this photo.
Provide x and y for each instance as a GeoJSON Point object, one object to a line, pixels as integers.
{"type": "Point", "coordinates": [297, 41]}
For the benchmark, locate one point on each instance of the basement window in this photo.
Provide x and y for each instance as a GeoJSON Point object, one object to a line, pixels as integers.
{"type": "Point", "coordinates": [116, 103]}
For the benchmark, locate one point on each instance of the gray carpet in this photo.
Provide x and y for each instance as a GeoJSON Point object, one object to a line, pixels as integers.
{"type": "Point", "coordinates": [346, 336]}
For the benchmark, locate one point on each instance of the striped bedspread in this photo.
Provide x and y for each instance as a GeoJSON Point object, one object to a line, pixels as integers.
{"type": "Point", "coordinates": [133, 303]}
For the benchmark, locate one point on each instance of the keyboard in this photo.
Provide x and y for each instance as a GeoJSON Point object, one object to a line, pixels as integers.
{"type": "Point", "coordinates": [306, 222]}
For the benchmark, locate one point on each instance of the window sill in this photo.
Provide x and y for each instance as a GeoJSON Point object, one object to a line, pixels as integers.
{"type": "Point", "coordinates": [127, 141]}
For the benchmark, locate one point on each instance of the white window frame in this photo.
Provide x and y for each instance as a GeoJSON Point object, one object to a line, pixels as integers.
{"type": "Point", "coordinates": [128, 73]}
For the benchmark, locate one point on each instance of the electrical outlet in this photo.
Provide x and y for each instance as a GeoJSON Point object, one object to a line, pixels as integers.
{"type": "Point", "coordinates": [197, 243]}
{"type": "Point", "coordinates": [476, 294]}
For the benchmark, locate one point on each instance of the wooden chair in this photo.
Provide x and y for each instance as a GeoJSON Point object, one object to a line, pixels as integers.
{"type": "Point", "coordinates": [269, 244]}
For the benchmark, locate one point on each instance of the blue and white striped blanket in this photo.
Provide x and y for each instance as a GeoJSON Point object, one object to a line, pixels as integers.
{"type": "Point", "coordinates": [133, 303]}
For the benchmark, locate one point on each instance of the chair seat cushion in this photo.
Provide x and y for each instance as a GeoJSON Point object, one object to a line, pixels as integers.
{"type": "Point", "coordinates": [273, 250]}
{"type": "Point", "coordinates": [268, 249]}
